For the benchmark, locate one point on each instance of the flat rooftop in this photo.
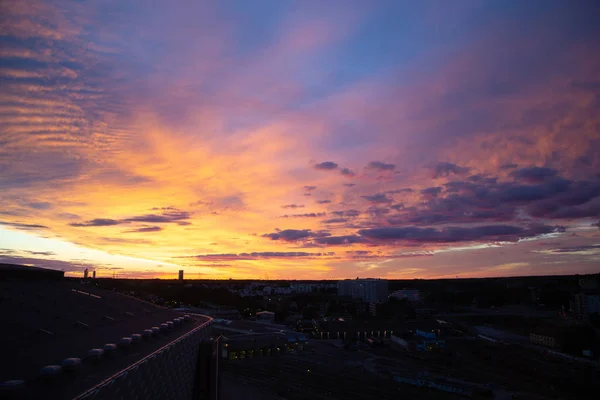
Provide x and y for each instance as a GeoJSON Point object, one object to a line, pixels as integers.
{"type": "Point", "coordinates": [45, 322]}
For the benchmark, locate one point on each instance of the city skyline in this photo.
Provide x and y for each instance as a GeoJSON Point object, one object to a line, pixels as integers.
{"type": "Point", "coordinates": [301, 140]}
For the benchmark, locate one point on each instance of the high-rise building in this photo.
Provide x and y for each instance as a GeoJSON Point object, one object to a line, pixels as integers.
{"type": "Point", "coordinates": [583, 305]}
{"type": "Point", "coordinates": [367, 290]}
{"type": "Point", "coordinates": [93, 274]}
{"type": "Point", "coordinates": [85, 274]}
{"type": "Point", "coordinates": [180, 274]}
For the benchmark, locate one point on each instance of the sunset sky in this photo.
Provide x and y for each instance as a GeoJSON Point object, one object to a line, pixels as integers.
{"type": "Point", "coordinates": [301, 139]}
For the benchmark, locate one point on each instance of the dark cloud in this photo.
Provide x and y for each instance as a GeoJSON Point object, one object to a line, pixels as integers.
{"type": "Point", "coordinates": [456, 234]}
{"type": "Point", "coordinates": [487, 200]}
{"type": "Point", "coordinates": [295, 235]}
{"type": "Point", "coordinates": [580, 200]}
{"type": "Point", "coordinates": [358, 252]}
{"type": "Point", "coordinates": [41, 205]}
{"type": "Point", "coordinates": [307, 194]}
{"type": "Point", "coordinates": [349, 184]}
{"type": "Point", "coordinates": [309, 188]}
{"type": "Point", "coordinates": [169, 216]}
{"type": "Point", "coordinates": [306, 215]}
{"type": "Point", "coordinates": [534, 174]}
{"type": "Point", "coordinates": [323, 201]}
{"type": "Point", "coordinates": [524, 193]}
{"type": "Point", "coordinates": [509, 166]}
{"type": "Point", "coordinates": [347, 172]}
{"type": "Point", "coordinates": [20, 225]}
{"type": "Point", "coordinates": [576, 249]}
{"type": "Point", "coordinates": [482, 179]}
{"type": "Point", "coordinates": [40, 253]}
{"type": "Point", "coordinates": [326, 166]}
{"type": "Point", "coordinates": [379, 198]}
{"type": "Point", "coordinates": [380, 166]}
{"type": "Point", "coordinates": [351, 213]}
{"type": "Point", "coordinates": [339, 240]}
{"type": "Point", "coordinates": [397, 191]}
{"type": "Point", "coordinates": [335, 221]}
{"type": "Point", "coordinates": [293, 206]}
{"type": "Point", "coordinates": [398, 206]}
{"type": "Point", "coordinates": [98, 222]}
{"type": "Point", "coordinates": [146, 229]}
{"type": "Point", "coordinates": [378, 211]}
{"type": "Point", "coordinates": [68, 216]}
{"type": "Point", "coordinates": [431, 191]}
{"type": "Point", "coordinates": [290, 235]}
{"type": "Point", "coordinates": [589, 209]}
{"type": "Point", "coordinates": [446, 169]}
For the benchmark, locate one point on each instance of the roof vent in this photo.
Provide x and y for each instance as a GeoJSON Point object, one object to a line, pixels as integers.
{"type": "Point", "coordinates": [164, 328]}
{"type": "Point", "coordinates": [170, 324]}
{"type": "Point", "coordinates": [95, 354]}
{"type": "Point", "coordinates": [147, 333]}
{"type": "Point", "coordinates": [177, 321]}
{"type": "Point", "coordinates": [50, 371]}
{"type": "Point", "coordinates": [71, 364]}
{"type": "Point", "coordinates": [136, 338]}
{"type": "Point", "coordinates": [109, 348]}
{"type": "Point", "coordinates": [187, 317]}
{"type": "Point", "coordinates": [155, 330]}
{"type": "Point", "coordinates": [125, 341]}
{"type": "Point", "coordinates": [12, 385]}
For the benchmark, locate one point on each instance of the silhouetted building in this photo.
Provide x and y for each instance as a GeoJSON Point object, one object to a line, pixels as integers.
{"type": "Point", "coordinates": [85, 274]}
{"type": "Point", "coordinates": [367, 290]}
{"type": "Point", "coordinates": [180, 274]}
{"type": "Point", "coordinates": [583, 305]}
{"type": "Point", "coordinates": [94, 275]}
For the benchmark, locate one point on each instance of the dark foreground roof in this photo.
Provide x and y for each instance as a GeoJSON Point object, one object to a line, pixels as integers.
{"type": "Point", "coordinates": [45, 322]}
{"type": "Point", "coordinates": [13, 271]}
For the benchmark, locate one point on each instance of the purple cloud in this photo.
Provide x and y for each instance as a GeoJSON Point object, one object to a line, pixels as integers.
{"type": "Point", "coordinates": [145, 229]}
{"type": "Point", "coordinates": [293, 206]}
{"type": "Point", "coordinates": [534, 174]}
{"type": "Point", "coordinates": [378, 198]}
{"type": "Point", "coordinates": [347, 172]}
{"type": "Point", "coordinates": [326, 166]}
{"type": "Point", "coordinates": [431, 191]}
{"type": "Point", "coordinates": [446, 169]}
{"type": "Point", "coordinates": [97, 222]}
{"type": "Point", "coordinates": [380, 166]}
